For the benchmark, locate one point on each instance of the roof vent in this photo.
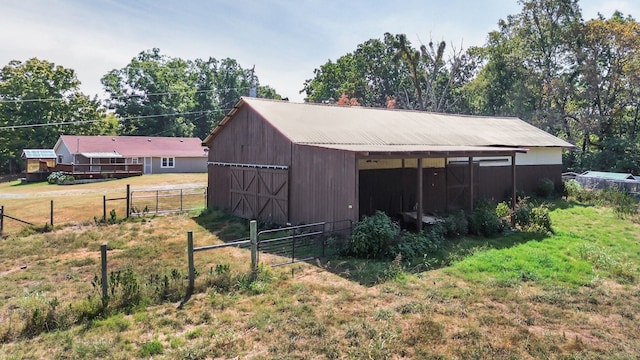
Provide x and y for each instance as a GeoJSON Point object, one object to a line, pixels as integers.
{"type": "Point", "coordinates": [113, 139]}
{"type": "Point", "coordinates": [149, 140]}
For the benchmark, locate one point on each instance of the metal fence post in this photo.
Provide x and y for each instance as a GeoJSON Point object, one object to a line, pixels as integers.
{"type": "Point", "coordinates": [1, 218]}
{"type": "Point", "coordinates": [190, 261]}
{"type": "Point", "coordinates": [51, 214]}
{"type": "Point", "coordinates": [253, 236]}
{"type": "Point", "coordinates": [103, 256]}
{"type": "Point", "coordinates": [180, 199]}
{"type": "Point", "coordinates": [104, 207]}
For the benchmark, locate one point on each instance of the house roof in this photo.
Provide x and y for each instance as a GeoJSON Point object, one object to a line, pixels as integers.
{"type": "Point", "coordinates": [38, 154]}
{"type": "Point", "coordinates": [383, 130]}
{"type": "Point", "coordinates": [132, 146]}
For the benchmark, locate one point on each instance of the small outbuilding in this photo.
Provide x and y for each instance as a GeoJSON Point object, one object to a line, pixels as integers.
{"type": "Point", "coordinates": [301, 163]}
{"type": "Point", "coordinates": [39, 162]}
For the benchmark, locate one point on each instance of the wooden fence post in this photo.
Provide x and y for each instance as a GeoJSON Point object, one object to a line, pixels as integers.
{"type": "Point", "coordinates": [192, 274]}
{"type": "Point", "coordinates": [128, 201]}
{"type": "Point", "coordinates": [104, 207]}
{"type": "Point", "coordinates": [103, 256]}
{"type": "Point", "coordinates": [253, 236]}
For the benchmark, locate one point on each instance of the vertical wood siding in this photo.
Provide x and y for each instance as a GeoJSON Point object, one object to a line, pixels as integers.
{"type": "Point", "coordinates": [323, 185]}
{"type": "Point", "coordinates": [248, 139]}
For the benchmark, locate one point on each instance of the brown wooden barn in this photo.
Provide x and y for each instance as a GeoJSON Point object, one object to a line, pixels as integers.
{"type": "Point", "coordinates": [302, 163]}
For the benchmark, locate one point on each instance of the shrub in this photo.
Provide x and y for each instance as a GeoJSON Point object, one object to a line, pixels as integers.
{"type": "Point", "coordinates": [484, 220]}
{"type": "Point", "coordinates": [623, 203]}
{"type": "Point", "coordinates": [540, 219]}
{"type": "Point", "coordinates": [422, 246]}
{"type": "Point", "coordinates": [58, 177]}
{"type": "Point", "coordinates": [372, 235]}
{"type": "Point", "coordinates": [456, 224]}
{"type": "Point", "coordinates": [545, 188]}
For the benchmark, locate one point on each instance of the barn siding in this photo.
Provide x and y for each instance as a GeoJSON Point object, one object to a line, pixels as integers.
{"type": "Point", "coordinates": [495, 181]}
{"type": "Point", "coordinates": [248, 139]}
{"type": "Point", "coordinates": [323, 185]}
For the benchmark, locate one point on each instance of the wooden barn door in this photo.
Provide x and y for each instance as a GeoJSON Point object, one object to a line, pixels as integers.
{"type": "Point", "coordinates": [458, 186]}
{"type": "Point", "coordinates": [260, 194]}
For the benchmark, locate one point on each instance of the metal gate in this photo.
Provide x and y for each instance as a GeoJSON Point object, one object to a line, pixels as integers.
{"type": "Point", "coordinates": [258, 193]}
{"type": "Point", "coordinates": [304, 242]}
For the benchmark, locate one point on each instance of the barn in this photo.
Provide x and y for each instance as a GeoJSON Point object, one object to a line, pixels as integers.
{"type": "Point", "coordinates": [301, 163]}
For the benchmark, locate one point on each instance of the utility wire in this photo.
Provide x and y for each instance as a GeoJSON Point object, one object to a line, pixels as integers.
{"type": "Point", "coordinates": [124, 96]}
{"type": "Point", "coordinates": [79, 122]}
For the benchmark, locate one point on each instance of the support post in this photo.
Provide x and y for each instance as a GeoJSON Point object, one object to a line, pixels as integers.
{"type": "Point", "coordinates": [1, 218]}
{"type": "Point", "coordinates": [419, 195]}
{"type": "Point", "coordinates": [104, 208]}
{"type": "Point", "coordinates": [470, 184]}
{"type": "Point", "coordinates": [128, 200]}
{"type": "Point", "coordinates": [103, 257]}
{"type": "Point", "coordinates": [192, 267]}
{"type": "Point", "coordinates": [513, 189]}
{"type": "Point", "coordinates": [51, 214]}
{"type": "Point", "coordinates": [253, 236]}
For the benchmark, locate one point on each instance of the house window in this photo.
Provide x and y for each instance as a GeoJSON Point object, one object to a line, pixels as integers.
{"type": "Point", "coordinates": [134, 160]}
{"type": "Point", "coordinates": [168, 162]}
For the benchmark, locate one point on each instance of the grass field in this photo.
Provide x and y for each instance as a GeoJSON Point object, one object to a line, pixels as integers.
{"type": "Point", "coordinates": [571, 295]}
{"type": "Point", "coordinates": [81, 203]}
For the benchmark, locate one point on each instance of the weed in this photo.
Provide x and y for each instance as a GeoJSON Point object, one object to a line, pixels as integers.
{"type": "Point", "coordinates": [150, 348]}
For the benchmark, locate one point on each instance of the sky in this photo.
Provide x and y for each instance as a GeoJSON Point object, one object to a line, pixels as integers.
{"type": "Point", "coordinates": [284, 39]}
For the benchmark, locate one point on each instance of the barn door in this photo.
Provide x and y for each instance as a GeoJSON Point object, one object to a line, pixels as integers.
{"type": "Point", "coordinates": [260, 194]}
{"type": "Point", "coordinates": [458, 186]}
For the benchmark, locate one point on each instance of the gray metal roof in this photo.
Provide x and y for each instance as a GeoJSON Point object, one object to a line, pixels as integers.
{"type": "Point", "coordinates": [368, 128]}
{"type": "Point", "coordinates": [38, 154]}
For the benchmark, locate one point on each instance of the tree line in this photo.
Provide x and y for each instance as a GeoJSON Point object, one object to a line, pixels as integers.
{"type": "Point", "coordinates": [577, 79]}
{"type": "Point", "coordinates": [153, 95]}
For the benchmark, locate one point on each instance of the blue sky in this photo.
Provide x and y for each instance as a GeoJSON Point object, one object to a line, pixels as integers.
{"type": "Point", "coordinates": [285, 39]}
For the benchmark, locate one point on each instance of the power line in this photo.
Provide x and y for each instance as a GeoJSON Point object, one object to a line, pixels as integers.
{"type": "Point", "coordinates": [79, 122]}
{"type": "Point", "coordinates": [18, 101]}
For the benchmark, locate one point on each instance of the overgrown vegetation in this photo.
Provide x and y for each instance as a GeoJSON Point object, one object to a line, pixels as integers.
{"type": "Point", "coordinates": [520, 294]}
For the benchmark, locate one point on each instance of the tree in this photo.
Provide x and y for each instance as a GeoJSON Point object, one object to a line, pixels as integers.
{"type": "Point", "coordinates": [39, 101]}
{"type": "Point", "coordinates": [158, 95]}
{"type": "Point", "coordinates": [369, 75]}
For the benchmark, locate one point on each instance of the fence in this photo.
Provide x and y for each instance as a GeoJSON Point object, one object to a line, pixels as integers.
{"type": "Point", "coordinates": [289, 245]}
{"type": "Point", "coordinates": [132, 202]}
{"type": "Point", "coordinates": [159, 201]}
{"type": "Point", "coordinates": [4, 215]}
{"type": "Point", "coordinates": [629, 186]}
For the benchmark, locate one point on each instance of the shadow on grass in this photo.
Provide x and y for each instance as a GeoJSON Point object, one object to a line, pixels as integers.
{"type": "Point", "coordinates": [224, 225]}
{"type": "Point", "coordinates": [371, 272]}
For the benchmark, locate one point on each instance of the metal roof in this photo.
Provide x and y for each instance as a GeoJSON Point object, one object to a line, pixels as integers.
{"type": "Point", "coordinates": [133, 146]}
{"type": "Point", "coordinates": [362, 128]}
{"type": "Point", "coordinates": [38, 154]}
{"type": "Point", "coordinates": [608, 175]}
{"type": "Point", "coordinates": [101, 155]}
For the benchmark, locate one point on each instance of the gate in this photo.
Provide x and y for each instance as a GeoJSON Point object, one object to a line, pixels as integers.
{"type": "Point", "coordinates": [260, 193]}
{"type": "Point", "coordinates": [304, 242]}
